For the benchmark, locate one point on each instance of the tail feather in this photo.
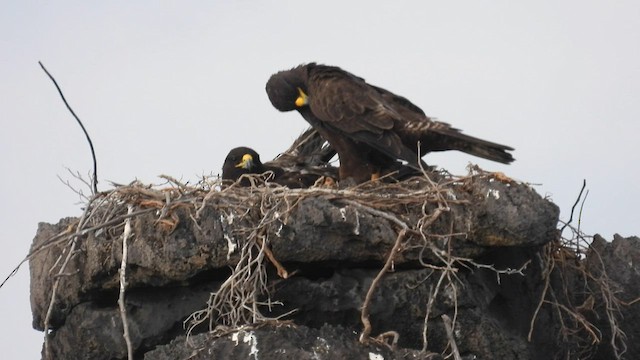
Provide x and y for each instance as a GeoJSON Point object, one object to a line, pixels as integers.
{"type": "Point", "coordinates": [455, 140]}
{"type": "Point", "coordinates": [498, 154]}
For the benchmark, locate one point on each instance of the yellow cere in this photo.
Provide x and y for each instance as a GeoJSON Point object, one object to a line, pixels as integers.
{"type": "Point", "coordinates": [245, 159]}
{"type": "Point", "coordinates": [303, 99]}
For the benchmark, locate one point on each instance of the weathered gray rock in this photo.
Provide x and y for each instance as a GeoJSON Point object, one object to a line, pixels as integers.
{"type": "Point", "coordinates": [284, 342]}
{"type": "Point", "coordinates": [93, 330]}
{"type": "Point", "coordinates": [619, 261]}
{"type": "Point", "coordinates": [400, 304]}
{"type": "Point", "coordinates": [334, 246]}
{"type": "Point", "coordinates": [510, 214]}
{"type": "Point", "coordinates": [317, 229]}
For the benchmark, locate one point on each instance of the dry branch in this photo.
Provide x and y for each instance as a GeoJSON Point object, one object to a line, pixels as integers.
{"type": "Point", "coordinates": [70, 250]}
{"type": "Point", "coordinates": [565, 256]}
{"type": "Point", "coordinates": [364, 315]}
{"type": "Point", "coordinates": [123, 283]}
{"type": "Point", "coordinates": [448, 325]}
{"type": "Point", "coordinates": [86, 134]}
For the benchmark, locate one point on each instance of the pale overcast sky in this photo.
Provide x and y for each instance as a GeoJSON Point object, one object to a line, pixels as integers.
{"type": "Point", "coordinates": [171, 87]}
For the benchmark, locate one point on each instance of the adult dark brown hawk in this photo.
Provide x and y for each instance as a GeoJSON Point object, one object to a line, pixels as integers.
{"type": "Point", "coordinates": [300, 166]}
{"type": "Point", "coordinates": [370, 128]}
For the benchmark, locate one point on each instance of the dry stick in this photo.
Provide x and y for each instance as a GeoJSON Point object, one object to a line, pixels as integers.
{"type": "Point", "coordinates": [375, 212]}
{"type": "Point", "coordinates": [364, 315]}
{"type": "Point", "coordinates": [123, 283]}
{"type": "Point", "coordinates": [86, 134]}
{"type": "Point", "coordinates": [282, 271]}
{"type": "Point", "coordinates": [58, 238]}
{"type": "Point", "coordinates": [596, 334]}
{"type": "Point", "coordinates": [432, 298]}
{"type": "Point", "coordinates": [580, 218]}
{"type": "Point", "coordinates": [547, 277]}
{"type": "Point", "coordinates": [612, 305]}
{"type": "Point", "coordinates": [549, 267]}
{"type": "Point", "coordinates": [50, 242]}
{"type": "Point", "coordinates": [237, 294]}
{"type": "Point", "coordinates": [54, 288]}
{"type": "Point", "coordinates": [77, 191]}
{"type": "Point", "coordinates": [584, 184]}
{"type": "Point", "coordinates": [54, 291]}
{"type": "Point", "coordinates": [448, 326]}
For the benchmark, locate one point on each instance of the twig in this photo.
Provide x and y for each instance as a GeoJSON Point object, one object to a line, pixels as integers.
{"type": "Point", "coordinates": [584, 184]}
{"type": "Point", "coordinates": [86, 134]}
{"type": "Point", "coordinates": [364, 314]}
{"type": "Point", "coordinates": [432, 298]}
{"type": "Point", "coordinates": [54, 292]}
{"type": "Point", "coordinates": [123, 283]}
{"type": "Point", "coordinates": [452, 341]}
{"type": "Point", "coordinates": [79, 192]}
{"type": "Point", "coordinates": [393, 337]}
{"type": "Point", "coordinates": [547, 280]}
{"type": "Point", "coordinates": [60, 237]}
{"type": "Point", "coordinates": [581, 208]}
{"type": "Point", "coordinates": [282, 271]}
{"type": "Point", "coordinates": [54, 288]}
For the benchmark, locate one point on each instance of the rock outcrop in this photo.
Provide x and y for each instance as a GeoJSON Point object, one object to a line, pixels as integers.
{"type": "Point", "coordinates": [474, 249]}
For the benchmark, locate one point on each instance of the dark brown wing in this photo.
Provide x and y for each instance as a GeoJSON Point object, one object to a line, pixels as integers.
{"type": "Point", "coordinates": [304, 161]}
{"type": "Point", "coordinates": [347, 105]}
{"type": "Point", "coordinates": [310, 148]}
{"type": "Point", "coordinates": [436, 135]}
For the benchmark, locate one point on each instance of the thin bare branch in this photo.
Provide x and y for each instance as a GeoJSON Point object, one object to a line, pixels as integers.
{"type": "Point", "coordinates": [584, 184]}
{"type": "Point", "coordinates": [448, 326]}
{"type": "Point", "coordinates": [364, 314]}
{"type": "Point", "coordinates": [86, 134]}
{"type": "Point", "coordinates": [123, 283]}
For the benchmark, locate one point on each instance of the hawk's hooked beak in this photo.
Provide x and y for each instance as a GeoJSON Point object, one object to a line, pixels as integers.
{"type": "Point", "coordinates": [303, 99]}
{"type": "Point", "coordinates": [246, 163]}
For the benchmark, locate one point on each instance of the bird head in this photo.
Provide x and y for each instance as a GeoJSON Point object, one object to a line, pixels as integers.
{"type": "Point", "coordinates": [287, 90]}
{"type": "Point", "coordinates": [241, 160]}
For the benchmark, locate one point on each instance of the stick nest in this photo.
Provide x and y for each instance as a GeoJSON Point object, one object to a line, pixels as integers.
{"type": "Point", "coordinates": [411, 205]}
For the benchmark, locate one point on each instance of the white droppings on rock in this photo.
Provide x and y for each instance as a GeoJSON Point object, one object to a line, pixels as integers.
{"type": "Point", "coordinates": [356, 231]}
{"type": "Point", "coordinates": [247, 338]}
{"type": "Point", "coordinates": [230, 218]}
{"type": "Point", "coordinates": [250, 338]}
{"type": "Point", "coordinates": [231, 245]}
{"type": "Point", "coordinates": [493, 192]}
{"type": "Point", "coordinates": [343, 213]}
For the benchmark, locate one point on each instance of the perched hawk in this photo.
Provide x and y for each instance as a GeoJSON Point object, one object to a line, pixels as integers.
{"type": "Point", "coordinates": [300, 166]}
{"type": "Point", "coordinates": [370, 128]}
